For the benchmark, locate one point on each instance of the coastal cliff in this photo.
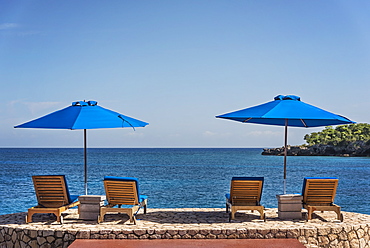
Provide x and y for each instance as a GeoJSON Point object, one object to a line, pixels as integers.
{"type": "Point", "coordinates": [353, 149]}
{"type": "Point", "coordinates": [345, 140]}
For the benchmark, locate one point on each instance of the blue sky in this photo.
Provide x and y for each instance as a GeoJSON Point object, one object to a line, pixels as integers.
{"type": "Point", "coordinates": [178, 64]}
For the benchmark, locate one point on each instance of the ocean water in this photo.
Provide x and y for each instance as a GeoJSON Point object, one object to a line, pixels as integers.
{"type": "Point", "coordinates": [178, 177]}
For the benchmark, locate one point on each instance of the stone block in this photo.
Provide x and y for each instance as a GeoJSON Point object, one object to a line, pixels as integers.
{"type": "Point", "coordinates": [89, 208]}
{"type": "Point", "coordinates": [89, 216]}
{"type": "Point", "coordinates": [91, 198]}
{"type": "Point", "coordinates": [290, 215]}
{"type": "Point", "coordinates": [290, 207]}
{"type": "Point", "coordinates": [289, 198]}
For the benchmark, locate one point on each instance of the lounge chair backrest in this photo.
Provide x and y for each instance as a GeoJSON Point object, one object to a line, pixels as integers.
{"type": "Point", "coordinates": [121, 190]}
{"type": "Point", "coordinates": [319, 190]}
{"type": "Point", "coordinates": [246, 190]}
{"type": "Point", "coordinates": [51, 190]}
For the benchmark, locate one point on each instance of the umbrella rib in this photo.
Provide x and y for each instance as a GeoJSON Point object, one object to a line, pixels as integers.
{"type": "Point", "coordinates": [120, 116]}
{"type": "Point", "coordinates": [246, 120]}
{"type": "Point", "coordinates": [304, 123]}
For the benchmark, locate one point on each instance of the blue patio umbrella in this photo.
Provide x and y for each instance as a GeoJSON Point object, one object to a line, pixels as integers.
{"type": "Point", "coordinates": [286, 111]}
{"type": "Point", "coordinates": [83, 115]}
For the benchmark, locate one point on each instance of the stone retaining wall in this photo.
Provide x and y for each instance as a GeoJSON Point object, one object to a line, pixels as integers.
{"type": "Point", "coordinates": [322, 231]}
{"type": "Point", "coordinates": [357, 236]}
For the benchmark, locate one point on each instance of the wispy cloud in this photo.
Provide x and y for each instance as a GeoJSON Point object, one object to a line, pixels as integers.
{"type": "Point", "coordinates": [264, 133]}
{"type": "Point", "coordinates": [32, 107]}
{"type": "Point", "coordinates": [209, 134]}
{"type": "Point", "coordinates": [28, 33]}
{"type": "Point", "coordinates": [8, 25]}
{"type": "Point", "coordinates": [16, 29]}
{"type": "Point", "coordinates": [36, 107]}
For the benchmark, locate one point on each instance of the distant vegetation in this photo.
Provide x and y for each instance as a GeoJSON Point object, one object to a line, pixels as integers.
{"type": "Point", "coordinates": [346, 140]}
{"type": "Point", "coordinates": [341, 135]}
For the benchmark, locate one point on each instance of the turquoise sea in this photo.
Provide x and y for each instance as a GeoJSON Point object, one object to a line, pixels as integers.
{"type": "Point", "coordinates": [178, 177]}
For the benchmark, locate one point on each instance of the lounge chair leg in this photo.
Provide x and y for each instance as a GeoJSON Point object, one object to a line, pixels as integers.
{"type": "Point", "coordinates": [339, 214]}
{"type": "Point", "coordinates": [227, 208]}
{"type": "Point", "coordinates": [101, 216]}
{"type": "Point", "coordinates": [59, 218]}
{"type": "Point", "coordinates": [232, 215]}
{"type": "Point", "coordinates": [29, 217]}
{"type": "Point", "coordinates": [309, 214]}
{"type": "Point", "coordinates": [262, 214]}
{"type": "Point", "coordinates": [131, 214]}
{"type": "Point", "coordinates": [132, 218]}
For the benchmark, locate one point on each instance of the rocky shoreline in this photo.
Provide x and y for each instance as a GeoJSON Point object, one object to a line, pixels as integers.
{"type": "Point", "coordinates": [356, 149]}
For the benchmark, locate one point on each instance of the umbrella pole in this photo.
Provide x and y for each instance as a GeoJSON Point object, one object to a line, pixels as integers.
{"type": "Point", "coordinates": [85, 160]}
{"type": "Point", "coordinates": [285, 152]}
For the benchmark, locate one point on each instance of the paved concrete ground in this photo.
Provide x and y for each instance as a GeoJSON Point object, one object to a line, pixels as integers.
{"type": "Point", "coordinates": [185, 218]}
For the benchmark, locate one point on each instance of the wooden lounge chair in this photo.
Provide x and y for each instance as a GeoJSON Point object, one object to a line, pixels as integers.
{"type": "Point", "coordinates": [123, 191]}
{"type": "Point", "coordinates": [245, 194]}
{"type": "Point", "coordinates": [52, 196]}
{"type": "Point", "coordinates": [318, 195]}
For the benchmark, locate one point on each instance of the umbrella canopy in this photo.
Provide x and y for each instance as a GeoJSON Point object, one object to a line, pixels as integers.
{"type": "Point", "coordinates": [83, 115]}
{"type": "Point", "coordinates": [286, 111]}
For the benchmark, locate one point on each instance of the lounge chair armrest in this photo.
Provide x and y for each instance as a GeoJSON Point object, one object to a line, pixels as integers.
{"type": "Point", "coordinates": [142, 198]}
{"type": "Point", "coordinates": [227, 196]}
{"type": "Point", "coordinates": [74, 198]}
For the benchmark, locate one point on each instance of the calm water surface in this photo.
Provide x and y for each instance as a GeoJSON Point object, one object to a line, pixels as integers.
{"type": "Point", "coordinates": [178, 177]}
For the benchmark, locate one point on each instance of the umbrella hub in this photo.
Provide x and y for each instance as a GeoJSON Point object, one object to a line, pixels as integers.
{"type": "Point", "coordinates": [287, 97]}
{"type": "Point", "coordinates": [83, 103]}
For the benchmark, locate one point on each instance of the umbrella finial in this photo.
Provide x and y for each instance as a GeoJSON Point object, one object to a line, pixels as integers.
{"type": "Point", "coordinates": [287, 97]}
{"type": "Point", "coordinates": [84, 103]}
{"type": "Point", "coordinates": [292, 97]}
{"type": "Point", "coordinates": [278, 97]}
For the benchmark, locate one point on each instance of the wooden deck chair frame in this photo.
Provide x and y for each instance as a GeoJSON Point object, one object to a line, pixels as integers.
{"type": "Point", "coordinates": [245, 194]}
{"type": "Point", "coordinates": [122, 191]}
{"type": "Point", "coordinates": [318, 195]}
{"type": "Point", "coordinates": [52, 196]}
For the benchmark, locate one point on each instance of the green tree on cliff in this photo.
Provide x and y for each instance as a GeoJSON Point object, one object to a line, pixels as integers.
{"type": "Point", "coordinates": [341, 135]}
